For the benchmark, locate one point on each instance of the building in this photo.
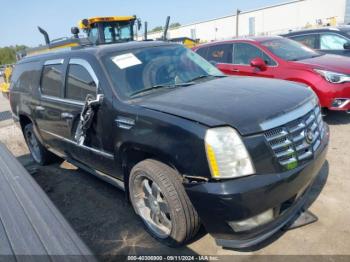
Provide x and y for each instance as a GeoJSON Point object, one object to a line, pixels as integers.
{"type": "Point", "coordinates": [270, 20]}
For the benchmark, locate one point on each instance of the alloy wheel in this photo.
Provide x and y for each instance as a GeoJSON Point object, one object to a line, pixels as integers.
{"type": "Point", "coordinates": [152, 206]}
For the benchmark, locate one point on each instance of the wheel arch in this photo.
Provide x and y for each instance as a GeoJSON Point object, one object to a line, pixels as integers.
{"type": "Point", "coordinates": [24, 120]}
{"type": "Point", "coordinates": [134, 154]}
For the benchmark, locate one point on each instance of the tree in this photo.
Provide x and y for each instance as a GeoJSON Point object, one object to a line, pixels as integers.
{"type": "Point", "coordinates": [157, 28]}
{"type": "Point", "coordinates": [174, 25]}
{"type": "Point", "coordinates": [8, 54]}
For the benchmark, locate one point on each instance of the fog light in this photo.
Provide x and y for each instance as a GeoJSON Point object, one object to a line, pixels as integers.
{"type": "Point", "coordinates": [250, 223]}
{"type": "Point", "coordinates": [340, 102]}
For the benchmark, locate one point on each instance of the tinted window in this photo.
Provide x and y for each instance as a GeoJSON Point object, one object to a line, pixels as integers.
{"type": "Point", "coordinates": [79, 83]}
{"type": "Point", "coordinates": [245, 53]}
{"type": "Point", "coordinates": [332, 42]}
{"type": "Point", "coordinates": [26, 76]}
{"type": "Point", "coordinates": [220, 53]}
{"type": "Point", "coordinates": [52, 80]}
{"type": "Point", "coordinates": [203, 52]}
{"type": "Point", "coordinates": [308, 40]}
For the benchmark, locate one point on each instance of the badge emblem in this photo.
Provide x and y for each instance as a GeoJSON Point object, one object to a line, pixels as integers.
{"type": "Point", "coordinates": [309, 136]}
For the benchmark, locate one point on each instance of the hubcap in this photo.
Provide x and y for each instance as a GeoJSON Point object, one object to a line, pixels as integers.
{"type": "Point", "coordinates": [33, 145]}
{"type": "Point", "coordinates": [152, 206]}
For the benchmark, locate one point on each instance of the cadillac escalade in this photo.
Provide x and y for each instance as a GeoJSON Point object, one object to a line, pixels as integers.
{"type": "Point", "coordinates": [188, 145]}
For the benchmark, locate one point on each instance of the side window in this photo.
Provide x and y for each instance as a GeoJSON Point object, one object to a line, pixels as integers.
{"type": "Point", "coordinates": [25, 81]}
{"type": "Point", "coordinates": [52, 80]}
{"type": "Point", "coordinates": [332, 42]}
{"type": "Point", "coordinates": [79, 83]}
{"type": "Point", "coordinates": [220, 53]}
{"type": "Point", "coordinates": [93, 35]}
{"type": "Point", "coordinates": [26, 76]}
{"type": "Point", "coordinates": [308, 40]}
{"type": "Point", "coordinates": [244, 53]}
{"type": "Point", "coordinates": [203, 52]}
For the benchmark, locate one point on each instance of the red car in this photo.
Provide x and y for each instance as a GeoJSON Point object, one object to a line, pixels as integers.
{"type": "Point", "coordinates": [277, 57]}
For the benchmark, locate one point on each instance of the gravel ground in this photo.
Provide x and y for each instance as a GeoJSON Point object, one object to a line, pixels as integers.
{"type": "Point", "coordinates": [108, 225]}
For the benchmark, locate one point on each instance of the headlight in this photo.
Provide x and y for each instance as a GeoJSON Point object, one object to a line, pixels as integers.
{"type": "Point", "coordinates": [333, 77]}
{"type": "Point", "coordinates": [227, 156]}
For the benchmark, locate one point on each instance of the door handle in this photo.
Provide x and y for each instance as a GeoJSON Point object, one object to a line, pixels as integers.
{"type": "Point", "coordinates": [235, 70]}
{"type": "Point", "coordinates": [66, 115]}
{"type": "Point", "coordinates": [39, 108]}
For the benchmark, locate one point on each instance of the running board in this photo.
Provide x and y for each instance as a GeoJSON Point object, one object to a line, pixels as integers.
{"type": "Point", "coordinates": [304, 219]}
{"type": "Point", "coordinates": [111, 180]}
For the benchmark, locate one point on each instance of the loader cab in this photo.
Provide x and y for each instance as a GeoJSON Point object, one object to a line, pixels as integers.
{"type": "Point", "coordinates": [105, 30]}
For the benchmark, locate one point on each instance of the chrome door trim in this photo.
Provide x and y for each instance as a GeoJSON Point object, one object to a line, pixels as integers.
{"type": "Point", "coordinates": [54, 62]}
{"type": "Point", "coordinates": [63, 100]}
{"type": "Point", "coordinates": [87, 66]}
{"type": "Point", "coordinates": [99, 152]}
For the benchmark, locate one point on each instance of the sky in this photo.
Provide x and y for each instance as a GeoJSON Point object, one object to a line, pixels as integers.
{"type": "Point", "coordinates": [20, 18]}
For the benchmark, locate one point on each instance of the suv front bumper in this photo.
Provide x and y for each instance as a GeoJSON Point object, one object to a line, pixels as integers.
{"type": "Point", "coordinates": [218, 203]}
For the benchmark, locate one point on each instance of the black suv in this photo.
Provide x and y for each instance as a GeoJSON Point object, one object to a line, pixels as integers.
{"type": "Point", "coordinates": [187, 144]}
{"type": "Point", "coordinates": [328, 40]}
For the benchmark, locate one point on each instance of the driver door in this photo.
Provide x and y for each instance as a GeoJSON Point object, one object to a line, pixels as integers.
{"type": "Point", "coordinates": [81, 81]}
{"type": "Point", "coordinates": [243, 54]}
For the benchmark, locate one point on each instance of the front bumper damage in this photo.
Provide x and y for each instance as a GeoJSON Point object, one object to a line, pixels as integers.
{"type": "Point", "coordinates": [287, 193]}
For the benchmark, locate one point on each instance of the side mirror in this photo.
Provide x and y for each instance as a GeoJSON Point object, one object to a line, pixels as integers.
{"type": "Point", "coordinates": [258, 63]}
{"type": "Point", "coordinates": [347, 46]}
{"type": "Point", "coordinates": [75, 31]}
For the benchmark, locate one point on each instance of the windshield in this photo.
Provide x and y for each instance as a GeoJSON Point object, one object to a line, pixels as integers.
{"type": "Point", "coordinates": [118, 31]}
{"type": "Point", "coordinates": [289, 50]}
{"type": "Point", "coordinates": [136, 72]}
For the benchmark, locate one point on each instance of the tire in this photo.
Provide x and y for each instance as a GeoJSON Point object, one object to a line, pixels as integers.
{"type": "Point", "coordinates": [151, 181]}
{"type": "Point", "coordinates": [38, 152]}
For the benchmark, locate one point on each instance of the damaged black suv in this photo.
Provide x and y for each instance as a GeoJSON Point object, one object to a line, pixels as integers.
{"type": "Point", "coordinates": [188, 145]}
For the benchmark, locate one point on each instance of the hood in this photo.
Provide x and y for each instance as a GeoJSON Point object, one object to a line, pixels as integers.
{"type": "Point", "coordinates": [241, 102]}
{"type": "Point", "coordinates": [335, 63]}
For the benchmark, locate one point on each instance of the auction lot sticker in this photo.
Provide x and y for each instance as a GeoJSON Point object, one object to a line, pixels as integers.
{"type": "Point", "coordinates": [126, 60]}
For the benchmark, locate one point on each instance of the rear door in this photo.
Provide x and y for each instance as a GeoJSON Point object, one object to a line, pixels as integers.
{"type": "Point", "coordinates": [221, 56]}
{"type": "Point", "coordinates": [48, 111]}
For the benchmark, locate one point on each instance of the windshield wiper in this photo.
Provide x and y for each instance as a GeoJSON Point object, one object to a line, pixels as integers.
{"type": "Point", "coordinates": [167, 86]}
{"type": "Point", "coordinates": [204, 76]}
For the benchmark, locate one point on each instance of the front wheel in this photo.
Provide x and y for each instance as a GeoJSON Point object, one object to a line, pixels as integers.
{"type": "Point", "coordinates": [159, 198]}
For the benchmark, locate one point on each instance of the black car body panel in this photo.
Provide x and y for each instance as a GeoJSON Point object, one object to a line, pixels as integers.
{"type": "Point", "coordinates": [170, 126]}
{"type": "Point", "coordinates": [222, 101]}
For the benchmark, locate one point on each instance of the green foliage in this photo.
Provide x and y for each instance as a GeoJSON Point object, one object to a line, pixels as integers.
{"type": "Point", "coordinates": [160, 28]}
{"type": "Point", "coordinates": [8, 54]}
{"type": "Point", "coordinates": [174, 25]}
{"type": "Point", "coordinates": [157, 28]}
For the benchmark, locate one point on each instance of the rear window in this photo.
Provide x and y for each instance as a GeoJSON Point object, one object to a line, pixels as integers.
{"type": "Point", "coordinates": [221, 53]}
{"type": "Point", "coordinates": [79, 83]}
{"type": "Point", "coordinates": [202, 52]}
{"type": "Point", "coordinates": [52, 80]}
{"type": "Point", "coordinates": [308, 40]}
{"type": "Point", "coordinates": [26, 76]}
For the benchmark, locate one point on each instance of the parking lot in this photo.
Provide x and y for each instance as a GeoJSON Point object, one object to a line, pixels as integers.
{"type": "Point", "coordinates": [108, 225]}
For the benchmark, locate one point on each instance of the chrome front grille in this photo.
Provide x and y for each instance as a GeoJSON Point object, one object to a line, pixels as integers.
{"type": "Point", "coordinates": [297, 140]}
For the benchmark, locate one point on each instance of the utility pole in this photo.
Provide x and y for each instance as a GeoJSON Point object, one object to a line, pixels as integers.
{"type": "Point", "coordinates": [237, 22]}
